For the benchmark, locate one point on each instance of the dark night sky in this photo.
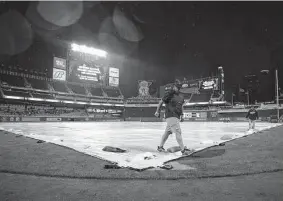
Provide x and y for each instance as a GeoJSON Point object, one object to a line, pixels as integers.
{"type": "Point", "coordinates": [158, 40]}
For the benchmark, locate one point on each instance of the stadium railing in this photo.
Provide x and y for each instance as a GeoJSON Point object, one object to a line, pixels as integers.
{"type": "Point", "coordinates": [35, 88]}
{"type": "Point", "coordinates": [77, 88]}
{"type": "Point", "coordinates": [8, 92]}
{"type": "Point", "coordinates": [112, 92]}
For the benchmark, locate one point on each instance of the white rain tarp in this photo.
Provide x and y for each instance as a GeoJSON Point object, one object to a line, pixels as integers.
{"type": "Point", "coordinates": [140, 139]}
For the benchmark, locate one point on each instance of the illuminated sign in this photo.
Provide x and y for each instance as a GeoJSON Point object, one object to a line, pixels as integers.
{"type": "Point", "coordinates": [96, 110]}
{"type": "Point", "coordinates": [113, 81]}
{"type": "Point", "coordinates": [193, 83]}
{"type": "Point", "coordinates": [59, 74]}
{"type": "Point", "coordinates": [195, 115]}
{"type": "Point", "coordinates": [208, 84]}
{"type": "Point", "coordinates": [88, 73]}
{"type": "Point", "coordinates": [87, 78]}
{"type": "Point", "coordinates": [113, 72]}
{"type": "Point", "coordinates": [188, 115]}
{"type": "Point", "coordinates": [59, 63]}
{"type": "Point", "coordinates": [88, 70]}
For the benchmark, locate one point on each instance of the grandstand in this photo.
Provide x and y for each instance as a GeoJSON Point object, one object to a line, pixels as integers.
{"type": "Point", "coordinates": [204, 96]}
{"type": "Point", "coordinates": [28, 88]}
{"type": "Point", "coordinates": [25, 95]}
{"type": "Point", "coordinates": [112, 92]}
{"type": "Point", "coordinates": [40, 111]}
{"type": "Point", "coordinates": [12, 80]}
{"type": "Point", "coordinates": [59, 86]}
{"type": "Point", "coordinates": [28, 96]}
{"type": "Point", "coordinates": [83, 85]}
{"type": "Point", "coordinates": [39, 84]}
{"type": "Point", "coordinates": [95, 91]}
{"type": "Point", "coordinates": [199, 91]}
{"type": "Point", "coordinates": [142, 100]}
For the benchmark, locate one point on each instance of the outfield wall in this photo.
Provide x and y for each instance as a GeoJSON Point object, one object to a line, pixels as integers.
{"type": "Point", "coordinates": [227, 115]}
{"type": "Point", "coordinates": [15, 119]}
{"type": "Point", "coordinates": [147, 115]}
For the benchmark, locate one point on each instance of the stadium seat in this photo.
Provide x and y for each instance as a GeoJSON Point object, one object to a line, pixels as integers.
{"type": "Point", "coordinates": [65, 97]}
{"type": "Point", "coordinates": [77, 89]}
{"type": "Point", "coordinates": [95, 91]}
{"type": "Point", "coordinates": [38, 84]}
{"type": "Point", "coordinates": [12, 80]}
{"type": "Point", "coordinates": [203, 96]}
{"type": "Point", "coordinates": [59, 86]}
{"type": "Point", "coordinates": [112, 92]}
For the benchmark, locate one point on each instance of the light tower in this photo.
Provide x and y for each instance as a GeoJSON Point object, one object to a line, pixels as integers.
{"type": "Point", "coordinates": [221, 80]}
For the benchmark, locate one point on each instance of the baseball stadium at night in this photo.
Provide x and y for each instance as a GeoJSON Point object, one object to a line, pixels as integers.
{"type": "Point", "coordinates": [141, 101]}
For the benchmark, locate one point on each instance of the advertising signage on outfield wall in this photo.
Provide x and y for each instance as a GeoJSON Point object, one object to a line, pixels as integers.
{"type": "Point", "coordinates": [191, 84]}
{"type": "Point", "coordinates": [9, 119]}
{"type": "Point", "coordinates": [30, 119]}
{"type": "Point", "coordinates": [195, 115]}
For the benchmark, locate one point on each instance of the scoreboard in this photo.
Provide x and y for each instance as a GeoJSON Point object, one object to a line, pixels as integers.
{"type": "Point", "coordinates": [85, 65]}
{"type": "Point", "coordinates": [89, 68]}
{"type": "Point", "coordinates": [83, 72]}
{"type": "Point", "coordinates": [86, 68]}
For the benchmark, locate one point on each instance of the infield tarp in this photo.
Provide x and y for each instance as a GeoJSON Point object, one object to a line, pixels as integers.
{"type": "Point", "coordinates": [138, 138]}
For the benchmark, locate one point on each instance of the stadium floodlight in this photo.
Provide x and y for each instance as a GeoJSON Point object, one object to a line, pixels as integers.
{"type": "Point", "coordinates": [88, 50]}
{"type": "Point", "coordinates": [276, 90]}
